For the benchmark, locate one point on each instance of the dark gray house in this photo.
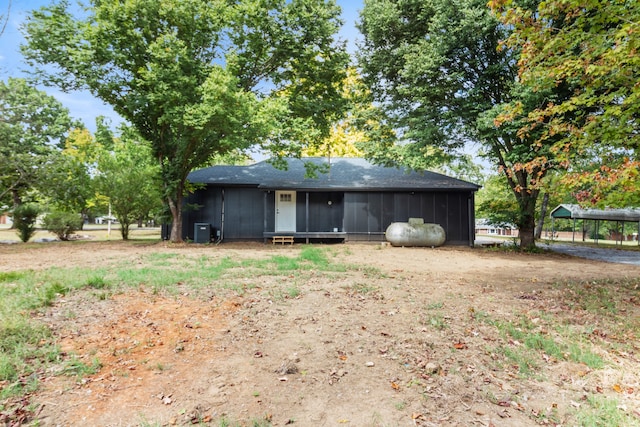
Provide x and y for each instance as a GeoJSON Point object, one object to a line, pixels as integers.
{"type": "Point", "coordinates": [352, 200]}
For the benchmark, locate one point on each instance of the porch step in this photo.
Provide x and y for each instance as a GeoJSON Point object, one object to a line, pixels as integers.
{"type": "Point", "coordinates": [282, 240]}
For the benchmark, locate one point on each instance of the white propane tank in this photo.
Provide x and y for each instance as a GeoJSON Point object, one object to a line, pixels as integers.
{"type": "Point", "coordinates": [415, 233]}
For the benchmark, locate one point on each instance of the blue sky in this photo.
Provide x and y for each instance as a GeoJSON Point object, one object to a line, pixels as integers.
{"type": "Point", "coordinates": [82, 105]}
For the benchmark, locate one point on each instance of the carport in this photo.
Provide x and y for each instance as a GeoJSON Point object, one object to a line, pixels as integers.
{"type": "Point", "coordinates": [620, 216]}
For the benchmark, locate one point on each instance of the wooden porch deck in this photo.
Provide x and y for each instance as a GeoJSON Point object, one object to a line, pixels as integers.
{"type": "Point", "coordinates": [281, 236]}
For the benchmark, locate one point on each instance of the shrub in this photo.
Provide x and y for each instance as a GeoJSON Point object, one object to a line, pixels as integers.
{"type": "Point", "coordinates": [62, 224]}
{"type": "Point", "coordinates": [24, 220]}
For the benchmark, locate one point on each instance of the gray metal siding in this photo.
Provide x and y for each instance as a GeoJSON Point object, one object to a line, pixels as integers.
{"type": "Point", "coordinates": [322, 215]}
{"type": "Point", "coordinates": [244, 214]}
{"type": "Point", "coordinates": [243, 208]}
{"type": "Point", "coordinates": [368, 214]}
{"type": "Point", "coordinates": [204, 206]}
{"type": "Point", "coordinates": [249, 212]}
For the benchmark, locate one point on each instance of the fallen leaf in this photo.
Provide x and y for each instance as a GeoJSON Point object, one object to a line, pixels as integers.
{"type": "Point", "coordinates": [460, 345]}
{"type": "Point", "coordinates": [504, 414]}
{"type": "Point", "coordinates": [395, 386]}
{"type": "Point", "coordinates": [617, 388]}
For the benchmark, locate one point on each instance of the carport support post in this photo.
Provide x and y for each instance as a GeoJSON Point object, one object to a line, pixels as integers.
{"type": "Point", "coordinates": [573, 234]}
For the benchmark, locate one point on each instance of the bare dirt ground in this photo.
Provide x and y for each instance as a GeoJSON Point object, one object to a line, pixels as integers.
{"type": "Point", "coordinates": [402, 340]}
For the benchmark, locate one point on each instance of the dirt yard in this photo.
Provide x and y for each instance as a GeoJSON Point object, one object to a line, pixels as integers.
{"type": "Point", "coordinates": [404, 337]}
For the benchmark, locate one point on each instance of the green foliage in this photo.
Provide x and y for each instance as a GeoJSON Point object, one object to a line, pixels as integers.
{"type": "Point", "coordinates": [130, 179]}
{"type": "Point", "coordinates": [33, 125]}
{"type": "Point", "coordinates": [607, 180]}
{"type": "Point", "coordinates": [588, 47]}
{"type": "Point", "coordinates": [437, 68]}
{"type": "Point", "coordinates": [66, 177]}
{"type": "Point", "coordinates": [496, 202]}
{"type": "Point", "coordinates": [361, 131]}
{"type": "Point", "coordinates": [198, 79]}
{"type": "Point", "coordinates": [62, 224]}
{"type": "Point", "coordinates": [24, 220]}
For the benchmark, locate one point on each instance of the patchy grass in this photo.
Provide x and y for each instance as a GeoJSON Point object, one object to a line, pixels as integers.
{"type": "Point", "coordinates": [602, 411]}
{"type": "Point", "coordinates": [27, 347]}
{"type": "Point", "coordinates": [585, 326]}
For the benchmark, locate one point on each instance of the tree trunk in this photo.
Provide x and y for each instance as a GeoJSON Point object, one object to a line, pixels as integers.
{"type": "Point", "coordinates": [176, 213]}
{"type": "Point", "coordinates": [543, 214]}
{"type": "Point", "coordinates": [527, 220]}
{"type": "Point", "coordinates": [17, 200]}
{"type": "Point", "coordinates": [527, 236]}
{"type": "Point", "coordinates": [124, 230]}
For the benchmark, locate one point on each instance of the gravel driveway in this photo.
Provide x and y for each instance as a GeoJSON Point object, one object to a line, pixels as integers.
{"type": "Point", "coordinates": [618, 256]}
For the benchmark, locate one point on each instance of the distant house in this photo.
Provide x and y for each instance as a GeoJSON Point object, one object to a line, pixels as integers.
{"type": "Point", "coordinates": [487, 228]}
{"type": "Point", "coordinates": [352, 200]}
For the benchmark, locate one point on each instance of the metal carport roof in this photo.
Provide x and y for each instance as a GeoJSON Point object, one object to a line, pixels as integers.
{"type": "Point", "coordinates": [577, 212]}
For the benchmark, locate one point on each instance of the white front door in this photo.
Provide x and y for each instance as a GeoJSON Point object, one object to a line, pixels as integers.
{"type": "Point", "coordinates": [285, 211]}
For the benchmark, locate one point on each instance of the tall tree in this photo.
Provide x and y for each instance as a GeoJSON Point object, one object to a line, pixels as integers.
{"type": "Point", "coordinates": [591, 46]}
{"type": "Point", "coordinates": [196, 78]}
{"type": "Point", "coordinates": [66, 176]}
{"type": "Point", "coordinates": [32, 125]}
{"type": "Point", "coordinates": [358, 129]}
{"type": "Point", "coordinates": [437, 68]}
{"type": "Point", "coordinates": [129, 178]}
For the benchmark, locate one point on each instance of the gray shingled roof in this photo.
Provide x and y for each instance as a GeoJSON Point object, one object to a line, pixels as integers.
{"type": "Point", "coordinates": [344, 174]}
